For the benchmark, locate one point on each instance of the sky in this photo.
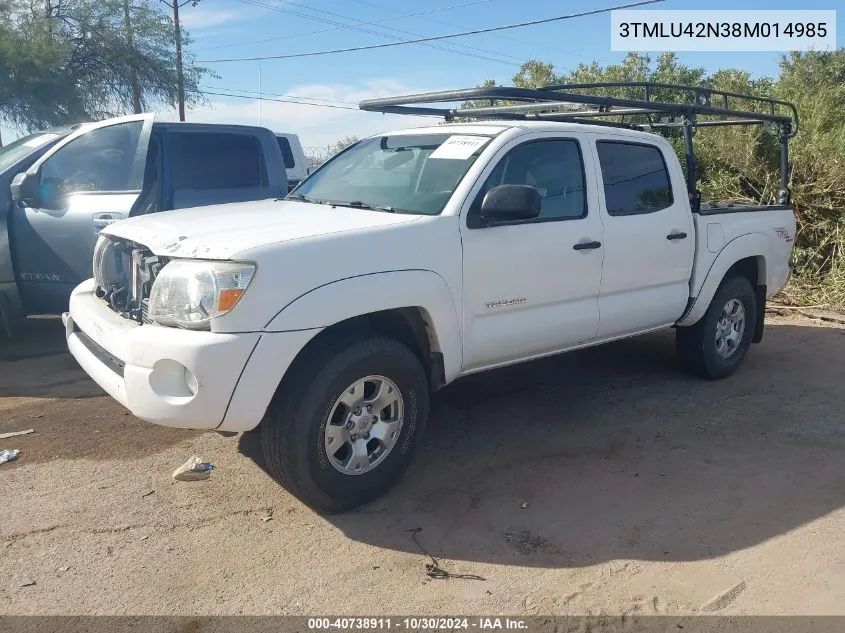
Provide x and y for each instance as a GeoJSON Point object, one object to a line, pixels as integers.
{"type": "Point", "coordinates": [223, 29]}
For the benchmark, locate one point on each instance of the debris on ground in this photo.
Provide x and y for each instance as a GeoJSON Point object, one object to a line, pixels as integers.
{"type": "Point", "coordinates": [145, 537]}
{"type": "Point", "coordinates": [267, 517]}
{"type": "Point", "coordinates": [3, 436]}
{"type": "Point", "coordinates": [193, 470]}
{"type": "Point", "coordinates": [64, 568]}
{"type": "Point", "coordinates": [526, 543]}
{"type": "Point", "coordinates": [8, 455]}
{"type": "Point", "coordinates": [524, 505]}
{"type": "Point", "coordinates": [26, 581]}
{"type": "Point", "coordinates": [433, 569]}
{"type": "Point", "coordinates": [147, 493]}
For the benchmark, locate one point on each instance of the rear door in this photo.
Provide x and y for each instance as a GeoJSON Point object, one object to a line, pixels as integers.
{"type": "Point", "coordinates": [649, 236]}
{"type": "Point", "coordinates": [90, 179]}
{"type": "Point", "coordinates": [214, 167]}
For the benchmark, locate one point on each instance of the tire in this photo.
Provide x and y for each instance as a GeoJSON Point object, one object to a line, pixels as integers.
{"type": "Point", "coordinates": [697, 344]}
{"type": "Point", "coordinates": [294, 436]}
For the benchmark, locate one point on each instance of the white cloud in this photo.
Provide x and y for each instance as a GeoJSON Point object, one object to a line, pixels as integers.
{"type": "Point", "coordinates": [201, 18]}
{"type": "Point", "coordinates": [316, 126]}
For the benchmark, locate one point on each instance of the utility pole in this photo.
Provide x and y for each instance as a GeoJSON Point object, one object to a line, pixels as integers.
{"type": "Point", "coordinates": [133, 68]}
{"type": "Point", "coordinates": [180, 77]}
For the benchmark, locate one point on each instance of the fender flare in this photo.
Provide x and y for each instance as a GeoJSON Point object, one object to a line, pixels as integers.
{"type": "Point", "coordinates": [344, 299]}
{"type": "Point", "coordinates": [742, 247]}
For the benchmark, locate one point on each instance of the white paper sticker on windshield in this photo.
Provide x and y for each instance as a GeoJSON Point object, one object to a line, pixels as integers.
{"type": "Point", "coordinates": [459, 147]}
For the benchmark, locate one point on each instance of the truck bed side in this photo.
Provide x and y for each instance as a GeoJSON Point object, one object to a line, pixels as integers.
{"type": "Point", "coordinates": [727, 235]}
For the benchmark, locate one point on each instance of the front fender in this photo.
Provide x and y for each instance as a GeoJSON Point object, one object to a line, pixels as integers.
{"type": "Point", "coordinates": [344, 299]}
{"type": "Point", "coordinates": [749, 245]}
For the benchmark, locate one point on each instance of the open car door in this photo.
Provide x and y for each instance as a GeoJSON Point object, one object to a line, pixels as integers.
{"type": "Point", "coordinates": [87, 181]}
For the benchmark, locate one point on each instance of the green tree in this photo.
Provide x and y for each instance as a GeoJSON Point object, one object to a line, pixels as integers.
{"type": "Point", "coordinates": [71, 60]}
{"type": "Point", "coordinates": [341, 144]}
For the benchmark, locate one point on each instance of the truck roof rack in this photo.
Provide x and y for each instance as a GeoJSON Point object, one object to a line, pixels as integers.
{"type": "Point", "coordinates": [676, 105]}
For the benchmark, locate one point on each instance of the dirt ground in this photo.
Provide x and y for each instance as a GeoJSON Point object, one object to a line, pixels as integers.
{"type": "Point", "coordinates": [647, 491]}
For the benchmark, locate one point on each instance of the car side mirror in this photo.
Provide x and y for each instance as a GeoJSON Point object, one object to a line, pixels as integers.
{"type": "Point", "coordinates": [24, 189]}
{"type": "Point", "coordinates": [510, 203]}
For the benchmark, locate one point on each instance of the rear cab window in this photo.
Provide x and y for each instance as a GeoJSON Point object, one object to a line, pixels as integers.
{"type": "Point", "coordinates": [635, 178]}
{"type": "Point", "coordinates": [217, 160]}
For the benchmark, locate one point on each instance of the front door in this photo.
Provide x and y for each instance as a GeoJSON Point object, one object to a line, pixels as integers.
{"type": "Point", "coordinates": [87, 181]}
{"type": "Point", "coordinates": [531, 288]}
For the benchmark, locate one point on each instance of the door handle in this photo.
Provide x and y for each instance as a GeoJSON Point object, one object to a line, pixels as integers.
{"type": "Point", "coordinates": [676, 236]}
{"type": "Point", "coordinates": [584, 246]}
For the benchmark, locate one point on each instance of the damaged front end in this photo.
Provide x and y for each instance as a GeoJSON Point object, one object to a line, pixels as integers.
{"type": "Point", "coordinates": [124, 273]}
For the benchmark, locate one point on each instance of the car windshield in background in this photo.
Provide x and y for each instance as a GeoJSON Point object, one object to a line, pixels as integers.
{"type": "Point", "coordinates": [407, 173]}
{"type": "Point", "coordinates": [16, 150]}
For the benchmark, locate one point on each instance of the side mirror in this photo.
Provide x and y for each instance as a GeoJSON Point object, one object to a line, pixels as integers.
{"type": "Point", "coordinates": [509, 203]}
{"type": "Point", "coordinates": [25, 189]}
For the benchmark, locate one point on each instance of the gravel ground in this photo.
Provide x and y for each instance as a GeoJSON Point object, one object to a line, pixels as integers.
{"type": "Point", "coordinates": [598, 482]}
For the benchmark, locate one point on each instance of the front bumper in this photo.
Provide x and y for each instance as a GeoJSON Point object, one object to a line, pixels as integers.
{"type": "Point", "coordinates": [175, 377]}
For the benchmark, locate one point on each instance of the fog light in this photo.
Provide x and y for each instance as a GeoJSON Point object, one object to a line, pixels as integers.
{"type": "Point", "coordinates": [191, 382]}
{"type": "Point", "coordinates": [173, 382]}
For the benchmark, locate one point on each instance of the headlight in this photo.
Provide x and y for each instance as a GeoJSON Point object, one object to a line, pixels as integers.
{"type": "Point", "coordinates": [99, 254]}
{"type": "Point", "coordinates": [189, 293]}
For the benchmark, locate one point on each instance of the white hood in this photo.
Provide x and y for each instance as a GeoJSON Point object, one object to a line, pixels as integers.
{"type": "Point", "coordinates": [223, 231]}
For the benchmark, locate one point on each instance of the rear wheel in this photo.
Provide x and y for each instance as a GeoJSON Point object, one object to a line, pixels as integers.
{"type": "Point", "coordinates": [343, 429]}
{"type": "Point", "coordinates": [716, 346]}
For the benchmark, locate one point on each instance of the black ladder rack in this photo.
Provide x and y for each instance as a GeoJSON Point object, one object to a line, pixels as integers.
{"type": "Point", "coordinates": [585, 103]}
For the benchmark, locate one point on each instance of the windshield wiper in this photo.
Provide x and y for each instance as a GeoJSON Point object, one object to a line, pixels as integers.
{"type": "Point", "coordinates": [304, 198]}
{"type": "Point", "coordinates": [365, 205]}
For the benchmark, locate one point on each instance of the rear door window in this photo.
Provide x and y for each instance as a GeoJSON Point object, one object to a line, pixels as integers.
{"type": "Point", "coordinates": [635, 177]}
{"type": "Point", "coordinates": [287, 153]}
{"type": "Point", "coordinates": [208, 160]}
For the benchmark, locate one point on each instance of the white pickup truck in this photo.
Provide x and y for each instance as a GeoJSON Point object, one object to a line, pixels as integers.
{"type": "Point", "coordinates": [409, 260]}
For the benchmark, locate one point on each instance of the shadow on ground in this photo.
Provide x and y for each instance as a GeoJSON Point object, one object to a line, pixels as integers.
{"type": "Point", "coordinates": [42, 387]}
{"type": "Point", "coordinates": [618, 455]}
{"type": "Point", "coordinates": [35, 363]}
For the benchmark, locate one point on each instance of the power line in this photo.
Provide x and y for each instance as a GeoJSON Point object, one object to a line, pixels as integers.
{"type": "Point", "coordinates": [378, 5]}
{"type": "Point", "coordinates": [433, 38]}
{"type": "Point", "coordinates": [258, 3]}
{"type": "Point", "coordinates": [390, 28]}
{"type": "Point", "coordinates": [340, 28]}
{"type": "Point", "coordinates": [294, 101]}
{"type": "Point", "coordinates": [285, 96]}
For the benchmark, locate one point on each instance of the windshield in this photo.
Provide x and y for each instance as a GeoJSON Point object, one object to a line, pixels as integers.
{"type": "Point", "coordinates": [402, 173]}
{"type": "Point", "coordinates": [16, 150]}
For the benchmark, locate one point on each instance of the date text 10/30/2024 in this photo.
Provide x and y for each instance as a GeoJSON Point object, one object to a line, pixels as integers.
{"type": "Point", "coordinates": [417, 623]}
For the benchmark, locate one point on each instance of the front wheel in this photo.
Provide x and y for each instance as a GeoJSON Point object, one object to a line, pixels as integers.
{"type": "Point", "coordinates": [716, 346]}
{"type": "Point", "coordinates": [343, 429]}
